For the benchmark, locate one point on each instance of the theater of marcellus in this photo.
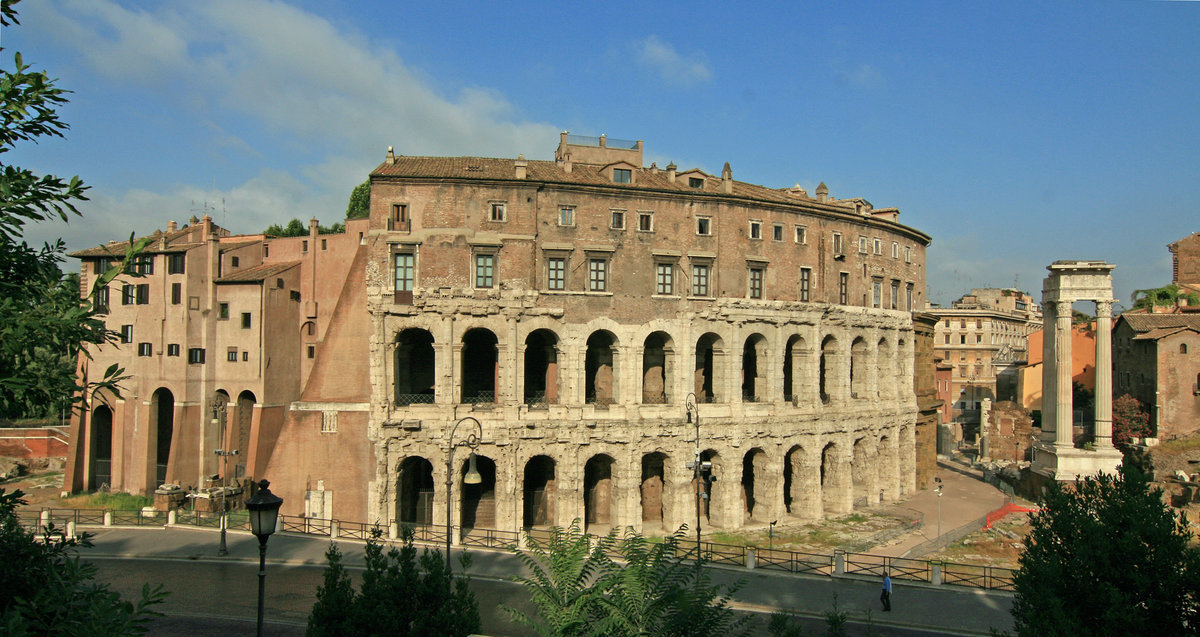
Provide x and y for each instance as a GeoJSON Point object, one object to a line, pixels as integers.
{"type": "Point", "coordinates": [572, 308]}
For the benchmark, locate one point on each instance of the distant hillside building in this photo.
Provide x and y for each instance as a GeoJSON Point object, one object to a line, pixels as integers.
{"type": "Point", "coordinates": [1185, 262]}
{"type": "Point", "coordinates": [1156, 359]}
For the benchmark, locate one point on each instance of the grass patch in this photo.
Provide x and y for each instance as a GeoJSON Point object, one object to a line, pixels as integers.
{"type": "Point", "coordinates": [1179, 444]}
{"type": "Point", "coordinates": [101, 500]}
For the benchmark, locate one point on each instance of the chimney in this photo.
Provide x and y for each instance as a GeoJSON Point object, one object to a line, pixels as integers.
{"type": "Point", "coordinates": [603, 141]}
{"type": "Point", "coordinates": [797, 191]}
{"type": "Point", "coordinates": [822, 192]}
{"type": "Point", "coordinates": [207, 225]}
{"type": "Point", "coordinates": [391, 157]}
{"type": "Point", "coordinates": [567, 164]}
{"type": "Point", "coordinates": [671, 172]}
{"type": "Point", "coordinates": [313, 227]}
{"type": "Point", "coordinates": [522, 167]}
{"type": "Point", "coordinates": [727, 178]}
{"type": "Point", "coordinates": [171, 226]}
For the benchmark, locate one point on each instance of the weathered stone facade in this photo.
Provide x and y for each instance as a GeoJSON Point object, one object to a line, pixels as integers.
{"type": "Point", "coordinates": [572, 308]}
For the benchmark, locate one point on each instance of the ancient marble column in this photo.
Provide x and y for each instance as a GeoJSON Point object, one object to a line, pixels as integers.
{"type": "Point", "coordinates": [1064, 430]}
{"type": "Point", "coordinates": [1103, 374]}
{"type": "Point", "coordinates": [1049, 396]}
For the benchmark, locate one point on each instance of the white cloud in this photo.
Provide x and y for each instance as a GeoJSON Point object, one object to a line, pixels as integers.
{"type": "Point", "coordinates": [672, 67]}
{"type": "Point", "coordinates": [863, 75]}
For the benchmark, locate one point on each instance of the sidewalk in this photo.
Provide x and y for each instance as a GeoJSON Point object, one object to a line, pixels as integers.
{"type": "Point", "coordinates": [965, 498]}
{"type": "Point", "coordinates": [952, 610]}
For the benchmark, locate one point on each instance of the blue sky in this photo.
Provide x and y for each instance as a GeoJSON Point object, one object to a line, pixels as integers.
{"type": "Point", "coordinates": [1014, 133]}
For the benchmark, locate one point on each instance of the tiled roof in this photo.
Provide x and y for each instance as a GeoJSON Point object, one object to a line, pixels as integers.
{"type": "Point", "coordinates": [117, 248]}
{"type": "Point", "coordinates": [1145, 322]}
{"type": "Point", "coordinates": [587, 174]}
{"type": "Point", "coordinates": [257, 273]}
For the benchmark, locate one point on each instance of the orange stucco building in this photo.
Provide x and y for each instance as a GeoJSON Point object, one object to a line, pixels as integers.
{"type": "Point", "coordinates": [1083, 365]}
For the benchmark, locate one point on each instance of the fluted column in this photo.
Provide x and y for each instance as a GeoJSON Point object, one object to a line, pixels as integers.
{"type": "Point", "coordinates": [1062, 376]}
{"type": "Point", "coordinates": [1103, 374]}
{"type": "Point", "coordinates": [1048, 373]}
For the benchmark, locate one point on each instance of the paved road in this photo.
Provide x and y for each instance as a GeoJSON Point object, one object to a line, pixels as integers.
{"type": "Point", "coordinates": [221, 593]}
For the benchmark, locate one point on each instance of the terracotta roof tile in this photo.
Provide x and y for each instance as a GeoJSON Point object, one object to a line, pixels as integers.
{"type": "Point", "coordinates": [257, 273]}
{"type": "Point", "coordinates": [1147, 322]}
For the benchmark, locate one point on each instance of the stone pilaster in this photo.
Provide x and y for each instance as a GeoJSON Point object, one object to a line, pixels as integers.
{"type": "Point", "coordinates": [1062, 376]}
{"type": "Point", "coordinates": [1049, 396]}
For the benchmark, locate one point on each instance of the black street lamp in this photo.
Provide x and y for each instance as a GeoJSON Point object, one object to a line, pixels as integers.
{"type": "Point", "coordinates": [472, 476]}
{"type": "Point", "coordinates": [697, 467]}
{"type": "Point", "coordinates": [224, 456]}
{"type": "Point", "coordinates": [264, 514]}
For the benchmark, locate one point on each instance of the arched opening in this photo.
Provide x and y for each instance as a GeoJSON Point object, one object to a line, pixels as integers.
{"type": "Point", "coordinates": [754, 489]}
{"type": "Point", "coordinates": [245, 418]}
{"type": "Point", "coordinates": [414, 491]}
{"type": "Point", "coordinates": [906, 459]}
{"type": "Point", "coordinates": [887, 382]}
{"type": "Point", "coordinates": [657, 357]}
{"type": "Point", "coordinates": [101, 448]}
{"type": "Point", "coordinates": [479, 500]}
{"type": "Point", "coordinates": [754, 382]}
{"type": "Point", "coordinates": [708, 347]}
{"type": "Point", "coordinates": [653, 487]}
{"type": "Point", "coordinates": [861, 469]}
{"type": "Point", "coordinates": [162, 409]}
{"type": "Point", "coordinates": [539, 489]}
{"type": "Point", "coordinates": [479, 366]}
{"type": "Point", "coordinates": [793, 375]}
{"type": "Point", "coordinates": [801, 484]}
{"type": "Point", "coordinates": [827, 368]}
{"type": "Point", "coordinates": [220, 412]}
{"type": "Point", "coordinates": [599, 363]}
{"type": "Point", "coordinates": [833, 479]}
{"type": "Point", "coordinates": [541, 368]}
{"type": "Point", "coordinates": [597, 493]}
{"type": "Point", "coordinates": [414, 367]}
{"type": "Point", "coordinates": [860, 369]}
{"type": "Point", "coordinates": [888, 476]}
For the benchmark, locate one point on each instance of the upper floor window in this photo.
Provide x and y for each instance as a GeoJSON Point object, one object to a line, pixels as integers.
{"type": "Point", "coordinates": [223, 311]}
{"type": "Point", "coordinates": [233, 261]}
{"type": "Point", "coordinates": [173, 349]}
{"type": "Point", "coordinates": [485, 270]}
{"type": "Point", "coordinates": [777, 232]}
{"type": "Point", "coordinates": [99, 266]}
{"type": "Point", "coordinates": [704, 226]}
{"type": "Point", "coordinates": [622, 175]}
{"type": "Point", "coordinates": [176, 293]}
{"type": "Point", "coordinates": [128, 294]}
{"type": "Point", "coordinates": [645, 221]}
{"type": "Point", "coordinates": [245, 320]}
{"type": "Point", "coordinates": [843, 287]}
{"type": "Point", "coordinates": [664, 280]}
{"type": "Point", "coordinates": [907, 254]}
{"type": "Point", "coordinates": [756, 282]}
{"type": "Point", "coordinates": [805, 283]}
{"type": "Point", "coordinates": [405, 271]}
{"type": "Point", "coordinates": [144, 264]}
{"type": "Point", "coordinates": [877, 246]}
{"type": "Point", "coordinates": [496, 211]}
{"type": "Point", "coordinates": [801, 234]}
{"type": "Point", "coordinates": [876, 293]}
{"type": "Point", "coordinates": [145, 349]}
{"type": "Point", "coordinates": [175, 263]}
{"type": "Point", "coordinates": [617, 221]}
{"type": "Point", "coordinates": [755, 229]}
{"type": "Point", "coordinates": [102, 300]}
{"type": "Point", "coordinates": [863, 245]}
{"type": "Point", "coordinates": [598, 275]}
{"type": "Point", "coordinates": [556, 273]}
{"type": "Point", "coordinates": [837, 244]}
{"type": "Point", "coordinates": [126, 333]}
{"type": "Point", "coordinates": [695, 182]}
{"type": "Point", "coordinates": [196, 355]}
{"type": "Point", "coordinates": [700, 274]}
{"type": "Point", "coordinates": [566, 216]}
{"type": "Point", "coordinates": [895, 250]}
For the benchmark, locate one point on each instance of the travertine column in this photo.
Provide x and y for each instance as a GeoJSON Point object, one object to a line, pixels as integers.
{"type": "Point", "coordinates": [1103, 374]}
{"type": "Point", "coordinates": [1049, 396]}
{"type": "Point", "coordinates": [1062, 376]}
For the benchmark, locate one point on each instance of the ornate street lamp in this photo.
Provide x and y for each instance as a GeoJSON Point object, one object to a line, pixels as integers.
{"type": "Point", "coordinates": [472, 476]}
{"type": "Point", "coordinates": [693, 417]}
{"type": "Point", "coordinates": [264, 514]}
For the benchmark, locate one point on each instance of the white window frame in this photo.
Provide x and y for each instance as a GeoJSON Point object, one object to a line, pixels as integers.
{"type": "Point", "coordinates": [615, 215]}
{"type": "Point", "coordinates": [645, 215]}
{"type": "Point", "coordinates": [756, 229]}
{"type": "Point", "coordinates": [801, 233]}
{"type": "Point", "coordinates": [704, 225]}
{"type": "Point", "coordinates": [498, 209]}
{"type": "Point", "coordinates": [566, 216]}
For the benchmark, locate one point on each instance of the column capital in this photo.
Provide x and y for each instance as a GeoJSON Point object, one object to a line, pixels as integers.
{"type": "Point", "coordinates": [1104, 308]}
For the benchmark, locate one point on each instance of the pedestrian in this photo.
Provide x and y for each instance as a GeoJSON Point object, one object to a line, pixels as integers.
{"type": "Point", "coordinates": [886, 595]}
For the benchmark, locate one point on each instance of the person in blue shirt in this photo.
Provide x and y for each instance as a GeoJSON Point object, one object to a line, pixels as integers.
{"type": "Point", "coordinates": [886, 595]}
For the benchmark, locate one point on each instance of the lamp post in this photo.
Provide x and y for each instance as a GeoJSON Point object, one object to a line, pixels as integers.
{"type": "Point", "coordinates": [472, 476]}
{"type": "Point", "coordinates": [264, 514]}
{"type": "Point", "coordinates": [224, 456]}
{"type": "Point", "coordinates": [693, 417]}
{"type": "Point", "coordinates": [771, 535]}
{"type": "Point", "coordinates": [939, 501]}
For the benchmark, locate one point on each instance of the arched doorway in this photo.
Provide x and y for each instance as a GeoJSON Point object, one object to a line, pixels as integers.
{"type": "Point", "coordinates": [653, 489]}
{"type": "Point", "coordinates": [656, 363]}
{"type": "Point", "coordinates": [793, 376]}
{"type": "Point", "coordinates": [480, 362]}
{"type": "Point", "coordinates": [539, 492]}
{"type": "Point", "coordinates": [597, 493]}
{"type": "Point", "coordinates": [754, 381]}
{"type": "Point", "coordinates": [599, 368]}
{"type": "Point", "coordinates": [708, 348]}
{"type": "Point", "coordinates": [479, 500]}
{"type": "Point", "coordinates": [414, 367]}
{"type": "Point", "coordinates": [244, 423]}
{"type": "Point", "coordinates": [101, 448]}
{"type": "Point", "coordinates": [414, 491]}
{"type": "Point", "coordinates": [541, 368]}
{"type": "Point", "coordinates": [162, 410]}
